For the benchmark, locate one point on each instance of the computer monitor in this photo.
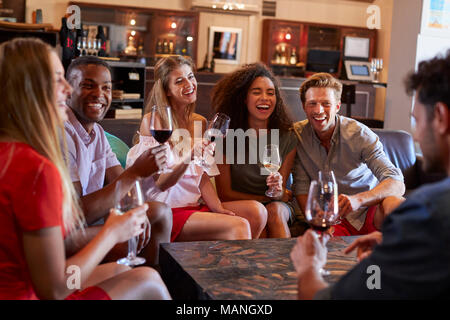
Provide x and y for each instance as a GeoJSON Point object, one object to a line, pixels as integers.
{"type": "Point", "coordinates": [323, 60]}
{"type": "Point", "coordinates": [356, 48]}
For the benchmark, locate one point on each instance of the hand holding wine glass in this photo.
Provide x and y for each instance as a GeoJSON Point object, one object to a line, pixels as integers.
{"type": "Point", "coordinates": [125, 200]}
{"type": "Point", "coordinates": [161, 126]}
{"type": "Point", "coordinates": [272, 162]}
{"type": "Point", "coordinates": [217, 128]}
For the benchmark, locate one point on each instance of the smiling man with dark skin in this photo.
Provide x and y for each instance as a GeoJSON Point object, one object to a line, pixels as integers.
{"type": "Point", "coordinates": [411, 252]}
{"type": "Point", "coordinates": [95, 169]}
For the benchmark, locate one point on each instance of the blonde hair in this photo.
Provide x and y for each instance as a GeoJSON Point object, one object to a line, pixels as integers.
{"type": "Point", "coordinates": [158, 95]}
{"type": "Point", "coordinates": [321, 80]}
{"type": "Point", "coordinates": [29, 113]}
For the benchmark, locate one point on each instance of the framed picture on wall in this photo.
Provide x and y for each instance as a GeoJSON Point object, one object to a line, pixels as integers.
{"type": "Point", "coordinates": [225, 44]}
{"type": "Point", "coordinates": [12, 10]}
{"type": "Point", "coordinates": [436, 18]}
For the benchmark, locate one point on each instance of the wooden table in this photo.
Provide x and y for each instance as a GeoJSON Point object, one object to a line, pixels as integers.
{"type": "Point", "coordinates": [243, 269]}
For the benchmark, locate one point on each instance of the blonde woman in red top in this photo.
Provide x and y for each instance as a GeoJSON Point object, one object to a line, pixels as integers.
{"type": "Point", "coordinates": [38, 206]}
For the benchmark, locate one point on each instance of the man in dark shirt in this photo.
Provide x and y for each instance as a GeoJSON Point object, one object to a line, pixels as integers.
{"type": "Point", "coordinates": [410, 259]}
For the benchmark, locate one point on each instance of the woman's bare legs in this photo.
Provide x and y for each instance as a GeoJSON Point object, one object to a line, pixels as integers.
{"type": "Point", "coordinates": [214, 226]}
{"type": "Point", "coordinates": [142, 283]}
{"type": "Point", "coordinates": [277, 220]}
{"type": "Point", "coordinates": [103, 272]}
{"type": "Point", "coordinates": [160, 217]}
{"type": "Point", "coordinates": [253, 211]}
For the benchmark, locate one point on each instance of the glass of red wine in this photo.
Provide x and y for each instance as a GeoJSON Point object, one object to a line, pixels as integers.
{"type": "Point", "coordinates": [322, 211]}
{"type": "Point", "coordinates": [161, 126]}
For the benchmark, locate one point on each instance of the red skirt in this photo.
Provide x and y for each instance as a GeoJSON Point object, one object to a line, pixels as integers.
{"type": "Point", "coordinates": [90, 293]}
{"type": "Point", "coordinates": [346, 229]}
{"type": "Point", "coordinates": [181, 215]}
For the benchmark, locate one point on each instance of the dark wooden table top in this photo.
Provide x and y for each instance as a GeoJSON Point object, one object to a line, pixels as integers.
{"type": "Point", "coordinates": [242, 269]}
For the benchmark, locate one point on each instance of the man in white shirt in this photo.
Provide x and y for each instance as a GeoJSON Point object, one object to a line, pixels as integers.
{"type": "Point", "coordinates": [95, 169]}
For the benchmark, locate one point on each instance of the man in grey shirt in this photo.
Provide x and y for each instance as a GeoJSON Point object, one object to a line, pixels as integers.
{"type": "Point", "coordinates": [368, 183]}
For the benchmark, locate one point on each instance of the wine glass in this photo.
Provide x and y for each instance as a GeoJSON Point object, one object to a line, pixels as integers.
{"type": "Point", "coordinates": [272, 162]}
{"type": "Point", "coordinates": [217, 128]}
{"type": "Point", "coordinates": [329, 187]}
{"type": "Point", "coordinates": [161, 129]}
{"type": "Point", "coordinates": [321, 211]}
{"type": "Point", "coordinates": [126, 200]}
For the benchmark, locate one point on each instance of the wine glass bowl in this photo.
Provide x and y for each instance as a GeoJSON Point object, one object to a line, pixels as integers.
{"type": "Point", "coordinates": [217, 128]}
{"type": "Point", "coordinates": [161, 126]}
{"type": "Point", "coordinates": [329, 190]}
{"type": "Point", "coordinates": [125, 200]}
{"type": "Point", "coordinates": [322, 210]}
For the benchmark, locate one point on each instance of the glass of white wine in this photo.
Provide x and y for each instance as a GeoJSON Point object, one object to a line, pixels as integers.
{"type": "Point", "coordinates": [272, 162]}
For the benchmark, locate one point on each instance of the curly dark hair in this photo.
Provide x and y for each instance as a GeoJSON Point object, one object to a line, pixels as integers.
{"type": "Point", "coordinates": [432, 82]}
{"type": "Point", "coordinates": [230, 93]}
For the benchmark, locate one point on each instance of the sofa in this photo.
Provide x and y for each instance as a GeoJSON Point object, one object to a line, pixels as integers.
{"type": "Point", "coordinates": [398, 145]}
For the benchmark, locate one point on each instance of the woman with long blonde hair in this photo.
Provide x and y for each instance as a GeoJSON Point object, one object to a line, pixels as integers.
{"type": "Point", "coordinates": [38, 205]}
{"type": "Point", "coordinates": [176, 86]}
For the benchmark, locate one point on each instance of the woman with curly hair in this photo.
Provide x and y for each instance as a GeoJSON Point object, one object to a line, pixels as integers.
{"type": "Point", "coordinates": [250, 96]}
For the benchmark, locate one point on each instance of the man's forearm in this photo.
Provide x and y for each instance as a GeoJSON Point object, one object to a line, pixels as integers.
{"type": "Point", "coordinates": [97, 204]}
{"type": "Point", "coordinates": [386, 188]}
{"type": "Point", "coordinates": [79, 239]}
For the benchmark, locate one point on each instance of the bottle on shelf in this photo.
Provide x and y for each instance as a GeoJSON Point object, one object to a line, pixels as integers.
{"type": "Point", "coordinates": [67, 41]}
{"type": "Point", "coordinates": [165, 46]}
{"type": "Point", "coordinates": [283, 58]}
{"type": "Point", "coordinates": [101, 42]}
{"type": "Point", "coordinates": [171, 51]}
{"type": "Point", "coordinates": [293, 58]}
{"type": "Point", "coordinates": [159, 47]}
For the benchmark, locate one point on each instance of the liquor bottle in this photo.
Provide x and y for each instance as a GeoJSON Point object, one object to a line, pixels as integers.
{"type": "Point", "coordinates": [101, 40]}
{"type": "Point", "coordinates": [283, 58]}
{"type": "Point", "coordinates": [159, 48]}
{"type": "Point", "coordinates": [165, 46]}
{"type": "Point", "coordinates": [171, 47]}
{"type": "Point", "coordinates": [293, 58]}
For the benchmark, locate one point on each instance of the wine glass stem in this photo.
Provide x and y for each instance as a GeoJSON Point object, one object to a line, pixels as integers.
{"type": "Point", "coordinates": [132, 244]}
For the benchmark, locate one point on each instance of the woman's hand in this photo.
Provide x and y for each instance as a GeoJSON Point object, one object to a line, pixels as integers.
{"type": "Point", "coordinates": [125, 226]}
{"type": "Point", "coordinates": [275, 180]}
{"type": "Point", "coordinates": [221, 209]}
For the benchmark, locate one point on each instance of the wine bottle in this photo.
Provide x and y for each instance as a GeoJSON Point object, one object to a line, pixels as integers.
{"type": "Point", "coordinates": [102, 37]}
{"type": "Point", "coordinates": [67, 40]}
{"type": "Point", "coordinates": [293, 58]}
